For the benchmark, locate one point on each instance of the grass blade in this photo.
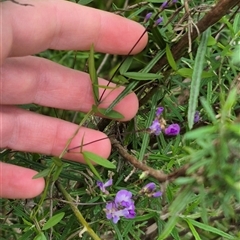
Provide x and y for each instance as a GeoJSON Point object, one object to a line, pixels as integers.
{"type": "Point", "coordinates": [196, 78]}
{"type": "Point", "coordinates": [93, 75]}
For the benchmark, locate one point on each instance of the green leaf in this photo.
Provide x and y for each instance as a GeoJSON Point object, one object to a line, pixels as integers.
{"type": "Point", "coordinates": [130, 87]}
{"type": "Point", "coordinates": [57, 172]}
{"type": "Point", "coordinates": [125, 66]}
{"type": "Point", "coordinates": [175, 208]}
{"type": "Point", "coordinates": [170, 58]}
{"type": "Point", "coordinates": [43, 173]}
{"type": "Point", "coordinates": [84, 2]}
{"type": "Point", "coordinates": [58, 162]}
{"type": "Point", "coordinates": [98, 159]}
{"type": "Point", "coordinates": [53, 221]}
{"type": "Point", "coordinates": [157, 37]}
{"type": "Point", "coordinates": [146, 136]}
{"type": "Point", "coordinates": [142, 76]}
{"type": "Point", "coordinates": [188, 72]}
{"type": "Point", "coordinates": [93, 75]}
{"type": "Point", "coordinates": [208, 228]}
{"type": "Point", "coordinates": [121, 80]}
{"type": "Point", "coordinates": [202, 132]}
{"type": "Point", "coordinates": [184, 180]}
{"type": "Point", "coordinates": [112, 114]}
{"type": "Point", "coordinates": [196, 78]}
{"type": "Point", "coordinates": [211, 41]}
{"type": "Point", "coordinates": [40, 236]}
{"type": "Point", "coordinates": [228, 105]}
{"type": "Point", "coordinates": [208, 109]}
{"type": "Point", "coordinates": [194, 232]}
{"type": "Point", "coordinates": [93, 169]}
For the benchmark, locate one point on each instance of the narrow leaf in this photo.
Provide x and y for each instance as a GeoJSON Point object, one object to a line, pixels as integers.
{"type": "Point", "coordinates": [53, 221]}
{"type": "Point", "coordinates": [98, 159]}
{"type": "Point", "coordinates": [43, 173]}
{"type": "Point", "coordinates": [132, 85]}
{"type": "Point", "coordinates": [196, 78]}
{"type": "Point", "coordinates": [188, 72]}
{"type": "Point", "coordinates": [208, 228]}
{"type": "Point", "coordinates": [112, 114]}
{"type": "Point", "coordinates": [93, 169]}
{"type": "Point", "coordinates": [57, 172]}
{"type": "Point", "coordinates": [170, 58]}
{"type": "Point", "coordinates": [125, 66]}
{"type": "Point", "coordinates": [40, 236]}
{"type": "Point", "coordinates": [194, 232]}
{"type": "Point", "coordinates": [93, 75]}
{"type": "Point", "coordinates": [142, 76]}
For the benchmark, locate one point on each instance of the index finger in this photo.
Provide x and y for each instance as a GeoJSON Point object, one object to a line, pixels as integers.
{"type": "Point", "coordinates": [63, 25]}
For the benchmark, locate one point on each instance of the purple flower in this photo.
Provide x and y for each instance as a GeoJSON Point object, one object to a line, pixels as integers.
{"type": "Point", "coordinates": [174, 1]}
{"type": "Point", "coordinates": [159, 111]}
{"type": "Point", "coordinates": [122, 206]}
{"type": "Point", "coordinates": [150, 187]}
{"type": "Point", "coordinates": [149, 190]}
{"type": "Point", "coordinates": [156, 194]}
{"type": "Point", "coordinates": [155, 127]}
{"type": "Point", "coordinates": [164, 5]}
{"type": "Point", "coordinates": [148, 16]}
{"type": "Point", "coordinates": [172, 130]}
{"type": "Point", "coordinates": [103, 186]}
{"type": "Point", "coordinates": [113, 213]}
{"type": "Point", "coordinates": [158, 21]}
{"type": "Point", "coordinates": [123, 198]}
{"type": "Point", "coordinates": [130, 211]}
{"type": "Point", "coordinates": [196, 117]}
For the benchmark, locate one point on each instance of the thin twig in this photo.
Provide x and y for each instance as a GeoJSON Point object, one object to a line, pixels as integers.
{"type": "Point", "coordinates": [157, 174]}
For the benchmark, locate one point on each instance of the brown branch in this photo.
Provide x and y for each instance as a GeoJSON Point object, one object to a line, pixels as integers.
{"type": "Point", "coordinates": [157, 174]}
{"type": "Point", "coordinates": [213, 16]}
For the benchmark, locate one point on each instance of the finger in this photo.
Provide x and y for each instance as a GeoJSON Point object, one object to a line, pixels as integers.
{"type": "Point", "coordinates": [30, 132]}
{"type": "Point", "coordinates": [17, 182]}
{"type": "Point", "coordinates": [64, 25]}
{"type": "Point", "coordinates": [36, 80]}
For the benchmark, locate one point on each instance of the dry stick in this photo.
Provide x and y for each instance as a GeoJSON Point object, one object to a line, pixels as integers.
{"type": "Point", "coordinates": [157, 174]}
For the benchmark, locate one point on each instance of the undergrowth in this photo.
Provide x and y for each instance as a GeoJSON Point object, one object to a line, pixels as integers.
{"type": "Point", "coordinates": [187, 69]}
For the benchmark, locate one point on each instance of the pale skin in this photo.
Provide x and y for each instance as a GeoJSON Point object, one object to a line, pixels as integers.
{"type": "Point", "coordinates": [60, 25]}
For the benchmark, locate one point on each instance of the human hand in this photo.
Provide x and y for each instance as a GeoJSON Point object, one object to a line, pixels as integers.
{"type": "Point", "coordinates": [59, 25]}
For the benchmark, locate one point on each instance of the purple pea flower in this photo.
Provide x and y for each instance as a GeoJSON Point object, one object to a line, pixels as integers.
{"type": "Point", "coordinates": [158, 21]}
{"type": "Point", "coordinates": [172, 130]}
{"type": "Point", "coordinates": [103, 186]}
{"type": "Point", "coordinates": [149, 190]}
{"type": "Point", "coordinates": [196, 117]}
{"type": "Point", "coordinates": [159, 111]}
{"type": "Point", "coordinates": [174, 1]}
{"type": "Point", "coordinates": [155, 127]}
{"type": "Point", "coordinates": [113, 213]}
{"type": "Point", "coordinates": [156, 194]}
{"type": "Point", "coordinates": [123, 198]}
{"type": "Point", "coordinates": [148, 16]}
{"type": "Point", "coordinates": [130, 213]}
{"type": "Point", "coordinates": [164, 5]}
{"type": "Point", "coordinates": [122, 206]}
{"type": "Point", "coordinates": [150, 187]}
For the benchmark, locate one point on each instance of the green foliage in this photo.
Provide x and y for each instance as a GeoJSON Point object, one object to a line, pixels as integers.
{"type": "Point", "coordinates": [53, 221]}
{"type": "Point", "coordinates": [196, 77]}
{"type": "Point", "coordinates": [93, 75]}
{"type": "Point", "coordinates": [202, 201]}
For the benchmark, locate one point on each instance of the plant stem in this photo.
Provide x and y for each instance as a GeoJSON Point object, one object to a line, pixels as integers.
{"type": "Point", "coordinates": [77, 213]}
